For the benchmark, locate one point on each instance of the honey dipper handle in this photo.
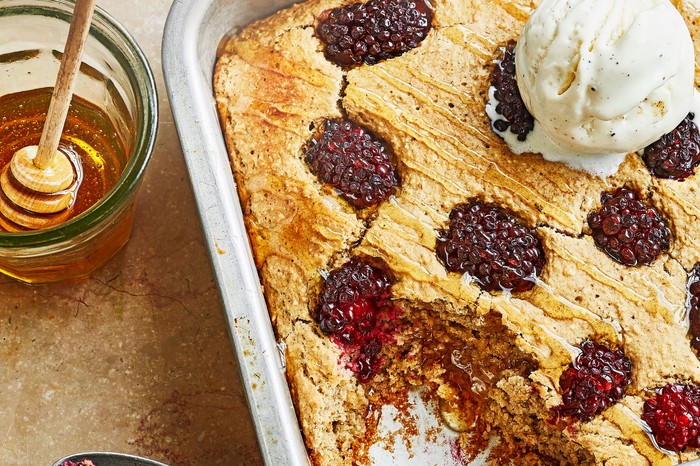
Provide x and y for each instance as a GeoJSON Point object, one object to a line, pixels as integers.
{"type": "Point", "coordinates": [65, 83]}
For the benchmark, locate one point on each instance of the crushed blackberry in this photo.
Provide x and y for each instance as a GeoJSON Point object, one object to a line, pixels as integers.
{"type": "Point", "coordinates": [371, 32]}
{"type": "Point", "coordinates": [693, 304]}
{"type": "Point", "coordinates": [629, 230]}
{"type": "Point", "coordinates": [596, 379]}
{"type": "Point", "coordinates": [353, 161]}
{"type": "Point", "coordinates": [356, 311]}
{"type": "Point", "coordinates": [673, 415]}
{"type": "Point", "coordinates": [511, 108]}
{"type": "Point", "coordinates": [492, 247]}
{"type": "Point", "coordinates": [676, 154]}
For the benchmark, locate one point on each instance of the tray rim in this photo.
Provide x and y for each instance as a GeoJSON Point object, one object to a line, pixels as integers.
{"type": "Point", "coordinates": [191, 97]}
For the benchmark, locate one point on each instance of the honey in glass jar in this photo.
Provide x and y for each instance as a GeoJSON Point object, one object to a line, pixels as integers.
{"type": "Point", "coordinates": [110, 135]}
{"type": "Point", "coordinates": [89, 139]}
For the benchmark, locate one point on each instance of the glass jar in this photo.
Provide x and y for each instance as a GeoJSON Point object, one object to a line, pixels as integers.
{"type": "Point", "coordinates": [115, 77]}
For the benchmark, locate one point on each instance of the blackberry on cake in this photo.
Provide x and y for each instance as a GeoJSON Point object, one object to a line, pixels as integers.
{"type": "Point", "coordinates": [673, 415]}
{"type": "Point", "coordinates": [374, 31]}
{"type": "Point", "coordinates": [628, 229]}
{"type": "Point", "coordinates": [693, 306]}
{"type": "Point", "coordinates": [491, 247]}
{"type": "Point", "coordinates": [355, 310]}
{"type": "Point", "coordinates": [676, 154]}
{"type": "Point", "coordinates": [597, 378]}
{"type": "Point", "coordinates": [354, 161]}
{"type": "Point", "coordinates": [514, 116]}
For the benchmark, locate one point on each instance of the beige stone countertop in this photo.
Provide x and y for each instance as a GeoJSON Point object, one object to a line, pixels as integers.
{"type": "Point", "coordinates": [136, 359]}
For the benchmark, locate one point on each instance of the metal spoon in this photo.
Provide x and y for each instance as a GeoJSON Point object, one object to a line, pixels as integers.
{"type": "Point", "coordinates": [109, 459]}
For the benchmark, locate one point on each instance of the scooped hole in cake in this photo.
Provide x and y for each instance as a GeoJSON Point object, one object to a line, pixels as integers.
{"type": "Point", "coordinates": [456, 361]}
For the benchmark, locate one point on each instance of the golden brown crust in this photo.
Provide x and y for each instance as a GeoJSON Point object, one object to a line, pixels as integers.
{"type": "Point", "coordinates": [274, 86]}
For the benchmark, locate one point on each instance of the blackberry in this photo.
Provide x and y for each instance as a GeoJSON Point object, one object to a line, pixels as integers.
{"type": "Point", "coordinates": [511, 108]}
{"type": "Point", "coordinates": [356, 311]}
{"type": "Point", "coordinates": [676, 154]}
{"type": "Point", "coordinates": [673, 415]}
{"type": "Point", "coordinates": [374, 31]}
{"type": "Point", "coordinates": [693, 303]}
{"type": "Point", "coordinates": [596, 379]}
{"type": "Point", "coordinates": [492, 247]}
{"type": "Point", "coordinates": [354, 162]}
{"type": "Point", "coordinates": [629, 230]}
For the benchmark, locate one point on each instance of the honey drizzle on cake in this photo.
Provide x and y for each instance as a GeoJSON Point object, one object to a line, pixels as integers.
{"type": "Point", "coordinates": [650, 302]}
{"type": "Point", "coordinates": [519, 12]}
{"type": "Point", "coordinates": [493, 172]}
{"type": "Point", "coordinates": [690, 253]}
{"type": "Point", "coordinates": [430, 135]}
{"type": "Point", "coordinates": [628, 423]}
{"type": "Point", "coordinates": [476, 43]}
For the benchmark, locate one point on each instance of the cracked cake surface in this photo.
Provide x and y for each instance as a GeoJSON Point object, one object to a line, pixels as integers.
{"type": "Point", "coordinates": [276, 90]}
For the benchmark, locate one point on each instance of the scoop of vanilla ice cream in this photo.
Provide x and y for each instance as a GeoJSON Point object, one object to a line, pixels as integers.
{"type": "Point", "coordinates": [606, 76]}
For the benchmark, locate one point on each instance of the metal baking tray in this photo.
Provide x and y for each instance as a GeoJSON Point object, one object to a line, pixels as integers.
{"type": "Point", "coordinates": [193, 33]}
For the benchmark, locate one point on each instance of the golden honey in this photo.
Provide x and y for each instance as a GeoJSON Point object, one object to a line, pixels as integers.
{"type": "Point", "coordinates": [89, 136]}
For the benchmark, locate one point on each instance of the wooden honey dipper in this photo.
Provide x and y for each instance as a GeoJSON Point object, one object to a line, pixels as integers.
{"type": "Point", "coordinates": [40, 183]}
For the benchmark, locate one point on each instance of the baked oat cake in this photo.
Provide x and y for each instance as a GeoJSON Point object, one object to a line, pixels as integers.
{"type": "Point", "coordinates": [386, 272]}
